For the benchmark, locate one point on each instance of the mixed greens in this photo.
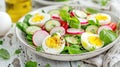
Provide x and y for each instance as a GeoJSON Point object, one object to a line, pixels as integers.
{"type": "Point", "coordinates": [67, 30]}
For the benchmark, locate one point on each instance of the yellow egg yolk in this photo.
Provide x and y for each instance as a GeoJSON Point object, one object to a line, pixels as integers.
{"type": "Point", "coordinates": [37, 18]}
{"type": "Point", "coordinates": [101, 17]}
{"type": "Point", "coordinates": [53, 42]}
{"type": "Point", "coordinates": [95, 41]}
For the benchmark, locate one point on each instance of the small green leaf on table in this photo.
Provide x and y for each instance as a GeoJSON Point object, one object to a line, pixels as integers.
{"type": "Point", "coordinates": [4, 54]}
{"type": "Point", "coordinates": [18, 51]}
{"type": "Point", "coordinates": [47, 65]}
{"type": "Point", "coordinates": [31, 64]}
{"type": "Point", "coordinates": [1, 42]}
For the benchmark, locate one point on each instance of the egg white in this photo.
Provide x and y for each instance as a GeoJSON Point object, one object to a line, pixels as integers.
{"type": "Point", "coordinates": [5, 23]}
{"type": "Point", "coordinates": [89, 46]}
{"type": "Point", "coordinates": [42, 22]}
{"type": "Point", "coordinates": [52, 50]}
{"type": "Point", "coordinates": [101, 22]}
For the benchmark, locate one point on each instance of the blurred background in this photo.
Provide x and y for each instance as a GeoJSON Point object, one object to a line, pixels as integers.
{"type": "Point", "coordinates": [18, 8]}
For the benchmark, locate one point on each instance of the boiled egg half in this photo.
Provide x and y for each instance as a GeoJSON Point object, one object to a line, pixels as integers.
{"type": "Point", "coordinates": [101, 17]}
{"type": "Point", "coordinates": [91, 41]}
{"type": "Point", "coordinates": [53, 44]}
{"type": "Point", "coordinates": [39, 19]}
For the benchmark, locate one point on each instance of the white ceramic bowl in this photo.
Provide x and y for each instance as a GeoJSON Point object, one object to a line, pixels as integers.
{"type": "Point", "coordinates": [65, 57]}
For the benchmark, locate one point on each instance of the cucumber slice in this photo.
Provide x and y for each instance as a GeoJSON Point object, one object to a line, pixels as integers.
{"type": "Point", "coordinates": [80, 14]}
{"type": "Point", "coordinates": [51, 24]}
{"type": "Point", "coordinates": [73, 39]}
{"type": "Point", "coordinates": [60, 30]}
{"type": "Point", "coordinates": [92, 29]}
{"type": "Point", "coordinates": [32, 29]}
{"type": "Point", "coordinates": [54, 12]}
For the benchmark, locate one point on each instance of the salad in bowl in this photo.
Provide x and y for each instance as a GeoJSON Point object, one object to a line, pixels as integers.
{"type": "Point", "coordinates": [68, 33]}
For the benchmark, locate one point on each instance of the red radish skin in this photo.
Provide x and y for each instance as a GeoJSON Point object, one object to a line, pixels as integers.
{"type": "Point", "coordinates": [64, 24]}
{"type": "Point", "coordinates": [74, 31]}
{"type": "Point", "coordinates": [56, 17]}
{"type": "Point", "coordinates": [104, 27]}
{"type": "Point", "coordinates": [72, 14]}
{"type": "Point", "coordinates": [113, 25]}
{"type": "Point", "coordinates": [39, 36]}
{"type": "Point", "coordinates": [83, 21]}
{"type": "Point", "coordinates": [56, 29]}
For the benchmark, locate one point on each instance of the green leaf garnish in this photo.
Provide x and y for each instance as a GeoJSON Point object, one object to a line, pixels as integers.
{"type": "Point", "coordinates": [18, 51]}
{"type": "Point", "coordinates": [39, 48]}
{"type": "Point", "coordinates": [107, 36]}
{"type": "Point", "coordinates": [104, 2]}
{"type": "Point", "coordinates": [26, 19]}
{"type": "Point", "coordinates": [1, 42]}
{"type": "Point", "coordinates": [64, 15]}
{"type": "Point", "coordinates": [92, 22]}
{"type": "Point", "coordinates": [74, 23]}
{"type": "Point", "coordinates": [4, 54]}
{"type": "Point", "coordinates": [79, 65]}
{"type": "Point", "coordinates": [31, 64]}
{"type": "Point", "coordinates": [73, 49]}
{"type": "Point", "coordinates": [47, 65]}
{"type": "Point", "coordinates": [22, 26]}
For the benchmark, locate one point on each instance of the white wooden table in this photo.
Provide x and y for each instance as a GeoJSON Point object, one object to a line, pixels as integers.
{"type": "Point", "coordinates": [11, 43]}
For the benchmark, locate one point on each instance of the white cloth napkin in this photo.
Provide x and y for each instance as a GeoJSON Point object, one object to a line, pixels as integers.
{"type": "Point", "coordinates": [108, 59]}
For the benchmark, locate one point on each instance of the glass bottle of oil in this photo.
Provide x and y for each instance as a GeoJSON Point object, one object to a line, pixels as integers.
{"type": "Point", "coordinates": [17, 8]}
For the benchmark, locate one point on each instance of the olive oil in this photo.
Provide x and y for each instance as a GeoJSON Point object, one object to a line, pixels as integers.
{"type": "Point", "coordinates": [17, 8]}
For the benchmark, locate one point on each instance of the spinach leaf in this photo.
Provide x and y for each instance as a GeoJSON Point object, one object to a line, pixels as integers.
{"type": "Point", "coordinates": [39, 48]}
{"type": "Point", "coordinates": [104, 2]}
{"type": "Point", "coordinates": [64, 15]}
{"type": "Point", "coordinates": [74, 49]}
{"type": "Point", "coordinates": [4, 54]}
{"type": "Point", "coordinates": [29, 37]}
{"type": "Point", "coordinates": [107, 36]}
{"type": "Point", "coordinates": [31, 64]}
{"type": "Point", "coordinates": [22, 26]}
{"type": "Point", "coordinates": [92, 22]}
{"type": "Point", "coordinates": [74, 23]}
{"type": "Point", "coordinates": [26, 19]}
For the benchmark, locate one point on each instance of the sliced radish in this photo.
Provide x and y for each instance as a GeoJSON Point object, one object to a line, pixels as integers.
{"type": "Point", "coordinates": [83, 21]}
{"type": "Point", "coordinates": [74, 31]}
{"type": "Point", "coordinates": [72, 14]}
{"type": "Point", "coordinates": [56, 17]}
{"type": "Point", "coordinates": [39, 36]}
{"type": "Point", "coordinates": [104, 27]}
{"type": "Point", "coordinates": [60, 30]}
